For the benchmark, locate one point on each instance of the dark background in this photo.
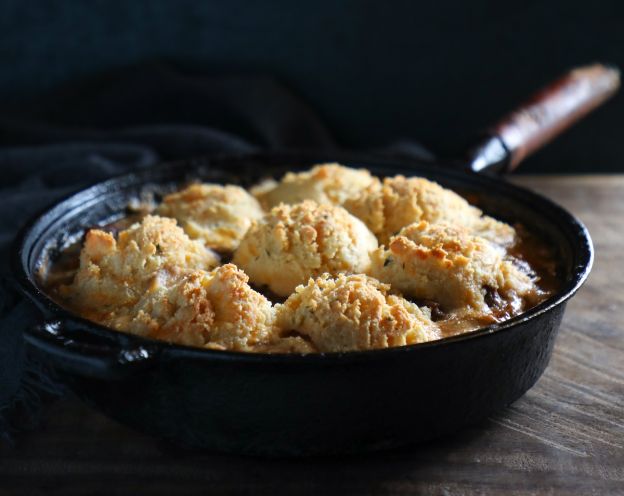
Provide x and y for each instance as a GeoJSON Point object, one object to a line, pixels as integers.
{"type": "Point", "coordinates": [375, 72]}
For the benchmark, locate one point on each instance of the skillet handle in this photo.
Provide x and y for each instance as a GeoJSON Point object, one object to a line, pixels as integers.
{"type": "Point", "coordinates": [543, 117]}
{"type": "Point", "coordinates": [62, 343]}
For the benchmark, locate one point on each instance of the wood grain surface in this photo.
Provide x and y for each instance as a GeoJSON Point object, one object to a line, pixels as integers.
{"type": "Point", "coordinates": [565, 436]}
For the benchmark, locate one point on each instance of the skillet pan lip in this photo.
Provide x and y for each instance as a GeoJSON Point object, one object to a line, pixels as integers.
{"type": "Point", "coordinates": [51, 310]}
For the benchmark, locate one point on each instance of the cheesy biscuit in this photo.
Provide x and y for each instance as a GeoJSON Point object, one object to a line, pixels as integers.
{"type": "Point", "coordinates": [402, 201]}
{"type": "Point", "coordinates": [216, 309]}
{"type": "Point", "coordinates": [218, 215]}
{"type": "Point", "coordinates": [324, 183]}
{"type": "Point", "coordinates": [114, 272]}
{"type": "Point", "coordinates": [295, 242]}
{"type": "Point", "coordinates": [353, 312]}
{"type": "Point", "coordinates": [450, 266]}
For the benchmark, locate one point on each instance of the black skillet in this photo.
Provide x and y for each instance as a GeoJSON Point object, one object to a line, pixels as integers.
{"type": "Point", "coordinates": [319, 403]}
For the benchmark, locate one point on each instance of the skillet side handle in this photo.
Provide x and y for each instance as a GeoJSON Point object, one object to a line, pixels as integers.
{"type": "Point", "coordinates": [544, 116]}
{"type": "Point", "coordinates": [60, 342]}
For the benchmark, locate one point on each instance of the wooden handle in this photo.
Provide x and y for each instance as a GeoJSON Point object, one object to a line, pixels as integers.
{"type": "Point", "coordinates": [544, 116]}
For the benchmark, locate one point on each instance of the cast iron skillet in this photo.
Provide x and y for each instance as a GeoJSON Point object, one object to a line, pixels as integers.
{"type": "Point", "coordinates": [319, 403]}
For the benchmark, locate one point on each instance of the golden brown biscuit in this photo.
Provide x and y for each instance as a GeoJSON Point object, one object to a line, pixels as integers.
{"type": "Point", "coordinates": [501, 234]}
{"type": "Point", "coordinates": [324, 183]}
{"type": "Point", "coordinates": [448, 265]}
{"type": "Point", "coordinates": [354, 312]}
{"type": "Point", "coordinates": [219, 215]}
{"type": "Point", "coordinates": [113, 273]}
{"type": "Point", "coordinates": [295, 242]}
{"type": "Point", "coordinates": [402, 201]}
{"type": "Point", "coordinates": [215, 309]}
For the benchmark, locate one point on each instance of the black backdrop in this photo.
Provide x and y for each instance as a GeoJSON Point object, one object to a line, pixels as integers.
{"type": "Point", "coordinates": [374, 71]}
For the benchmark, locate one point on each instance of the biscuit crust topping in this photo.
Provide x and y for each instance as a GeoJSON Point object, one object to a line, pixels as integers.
{"type": "Point", "coordinates": [295, 242]}
{"type": "Point", "coordinates": [215, 309]}
{"type": "Point", "coordinates": [401, 201]}
{"type": "Point", "coordinates": [339, 261]}
{"type": "Point", "coordinates": [325, 184]}
{"type": "Point", "coordinates": [115, 272]}
{"type": "Point", "coordinates": [448, 265]}
{"type": "Point", "coordinates": [218, 215]}
{"type": "Point", "coordinates": [353, 312]}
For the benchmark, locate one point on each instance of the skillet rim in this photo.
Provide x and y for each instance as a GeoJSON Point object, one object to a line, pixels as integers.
{"type": "Point", "coordinates": [26, 278]}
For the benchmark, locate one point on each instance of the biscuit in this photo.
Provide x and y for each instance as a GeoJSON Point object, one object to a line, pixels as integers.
{"type": "Point", "coordinates": [450, 266]}
{"type": "Point", "coordinates": [295, 242]}
{"type": "Point", "coordinates": [324, 183]}
{"type": "Point", "coordinates": [216, 309]}
{"type": "Point", "coordinates": [113, 273]}
{"type": "Point", "coordinates": [495, 231]}
{"type": "Point", "coordinates": [402, 201]}
{"type": "Point", "coordinates": [218, 215]}
{"type": "Point", "coordinates": [352, 312]}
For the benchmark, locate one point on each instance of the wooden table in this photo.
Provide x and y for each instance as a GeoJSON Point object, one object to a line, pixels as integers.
{"type": "Point", "coordinates": [566, 436]}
